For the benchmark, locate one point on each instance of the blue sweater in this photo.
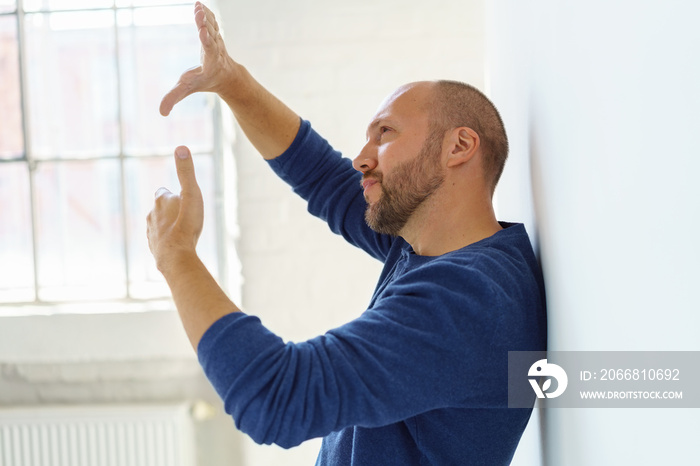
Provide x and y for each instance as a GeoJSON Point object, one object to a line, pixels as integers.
{"type": "Point", "coordinates": [420, 377]}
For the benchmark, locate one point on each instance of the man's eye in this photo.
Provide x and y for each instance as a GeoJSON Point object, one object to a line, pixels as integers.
{"type": "Point", "coordinates": [381, 131]}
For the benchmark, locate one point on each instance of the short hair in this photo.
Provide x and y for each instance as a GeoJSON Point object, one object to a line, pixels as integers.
{"type": "Point", "coordinates": [459, 104]}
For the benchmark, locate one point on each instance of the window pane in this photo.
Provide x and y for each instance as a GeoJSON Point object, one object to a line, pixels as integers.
{"type": "Point", "coordinates": [121, 3]}
{"type": "Point", "coordinates": [80, 230]}
{"type": "Point", "coordinates": [156, 46]}
{"type": "Point", "coordinates": [7, 5]}
{"type": "Point", "coordinates": [11, 140]}
{"type": "Point", "coordinates": [17, 270]}
{"type": "Point", "coordinates": [37, 5]}
{"type": "Point", "coordinates": [74, 113]}
{"type": "Point", "coordinates": [144, 176]}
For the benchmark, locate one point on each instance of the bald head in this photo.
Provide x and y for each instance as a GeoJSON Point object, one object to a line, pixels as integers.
{"type": "Point", "coordinates": [453, 104]}
{"type": "Point", "coordinates": [419, 95]}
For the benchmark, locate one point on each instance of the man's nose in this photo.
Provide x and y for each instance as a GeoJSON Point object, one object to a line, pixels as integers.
{"type": "Point", "coordinates": [366, 160]}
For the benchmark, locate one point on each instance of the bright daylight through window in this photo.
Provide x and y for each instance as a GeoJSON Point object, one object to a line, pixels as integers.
{"type": "Point", "coordinates": [83, 147]}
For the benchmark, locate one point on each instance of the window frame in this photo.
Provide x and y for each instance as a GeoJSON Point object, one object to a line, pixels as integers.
{"type": "Point", "coordinates": [129, 303]}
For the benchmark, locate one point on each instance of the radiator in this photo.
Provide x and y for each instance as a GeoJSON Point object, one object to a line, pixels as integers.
{"type": "Point", "coordinates": [133, 435]}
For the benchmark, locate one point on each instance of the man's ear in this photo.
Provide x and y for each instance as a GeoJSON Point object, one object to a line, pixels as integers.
{"type": "Point", "coordinates": [463, 144]}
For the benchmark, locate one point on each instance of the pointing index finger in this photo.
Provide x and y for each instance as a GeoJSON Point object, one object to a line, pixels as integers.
{"type": "Point", "coordinates": [185, 171]}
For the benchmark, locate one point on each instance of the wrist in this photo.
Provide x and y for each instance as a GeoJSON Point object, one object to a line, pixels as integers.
{"type": "Point", "coordinates": [176, 260]}
{"type": "Point", "coordinates": [236, 85]}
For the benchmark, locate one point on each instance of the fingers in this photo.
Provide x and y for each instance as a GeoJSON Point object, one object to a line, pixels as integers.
{"type": "Point", "coordinates": [162, 192]}
{"type": "Point", "coordinates": [175, 222]}
{"type": "Point", "coordinates": [213, 62]}
{"type": "Point", "coordinates": [185, 173]}
{"type": "Point", "coordinates": [196, 79]}
{"type": "Point", "coordinates": [184, 166]}
{"type": "Point", "coordinates": [205, 39]}
{"type": "Point", "coordinates": [200, 21]}
{"type": "Point", "coordinates": [207, 17]}
{"type": "Point", "coordinates": [208, 29]}
{"type": "Point", "coordinates": [191, 216]}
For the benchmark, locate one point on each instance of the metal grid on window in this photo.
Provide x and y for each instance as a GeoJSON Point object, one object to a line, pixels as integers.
{"type": "Point", "coordinates": [83, 147]}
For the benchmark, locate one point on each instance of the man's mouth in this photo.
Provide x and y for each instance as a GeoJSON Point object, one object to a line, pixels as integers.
{"type": "Point", "coordinates": [368, 183]}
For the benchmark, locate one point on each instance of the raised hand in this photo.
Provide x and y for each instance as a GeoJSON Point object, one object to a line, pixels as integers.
{"type": "Point", "coordinates": [269, 124]}
{"type": "Point", "coordinates": [175, 223]}
{"type": "Point", "coordinates": [216, 65]}
{"type": "Point", "coordinates": [174, 226]}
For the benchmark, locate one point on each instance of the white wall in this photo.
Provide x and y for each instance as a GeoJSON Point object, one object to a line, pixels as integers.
{"type": "Point", "coordinates": [333, 63]}
{"type": "Point", "coordinates": [602, 102]}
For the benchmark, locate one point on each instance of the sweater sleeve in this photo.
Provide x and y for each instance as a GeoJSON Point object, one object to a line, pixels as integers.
{"type": "Point", "coordinates": [331, 186]}
{"type": "Point", "coordinates": [423, 346]}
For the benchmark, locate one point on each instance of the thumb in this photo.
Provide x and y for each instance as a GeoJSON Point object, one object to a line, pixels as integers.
{"type": "Point", "coordinates": [184, 87]}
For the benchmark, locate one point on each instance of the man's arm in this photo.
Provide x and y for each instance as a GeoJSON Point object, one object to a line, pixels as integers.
{"type": "Point", "coordinates": [175, 222]}
{"type": "Point", "coordinates": [173, 228]}
{"type": "Point", "coordinates": [267, 122]}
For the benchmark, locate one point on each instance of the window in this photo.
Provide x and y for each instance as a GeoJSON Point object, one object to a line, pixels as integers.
{"type": "Point", "coordinates": [83, 147]}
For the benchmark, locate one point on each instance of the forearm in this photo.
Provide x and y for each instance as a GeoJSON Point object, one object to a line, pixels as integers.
{"type": "Point", "coordinates": [199, 300]}
{"type": "Point", "coordinates": [266, 121]}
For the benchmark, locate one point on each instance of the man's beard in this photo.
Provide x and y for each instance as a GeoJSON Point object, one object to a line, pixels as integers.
{"type": "Point", "coordinates": [406, 189]}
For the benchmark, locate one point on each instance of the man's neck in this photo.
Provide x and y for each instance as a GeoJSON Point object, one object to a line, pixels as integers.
{"type": "Point", "coordinates": [440, 226]}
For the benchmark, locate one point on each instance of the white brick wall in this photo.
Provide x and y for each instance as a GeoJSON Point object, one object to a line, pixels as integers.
{"type": "Point", "coordinates": [333, 63]}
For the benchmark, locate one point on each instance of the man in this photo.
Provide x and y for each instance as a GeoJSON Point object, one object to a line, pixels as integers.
{"type": "Point", "coordinates": [420, 377]}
